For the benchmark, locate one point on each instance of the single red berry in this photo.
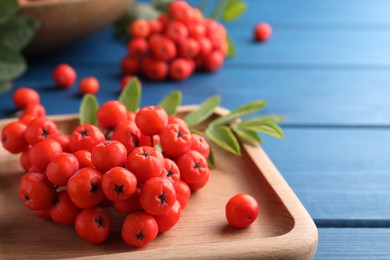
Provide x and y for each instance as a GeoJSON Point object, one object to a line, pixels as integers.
{"type": "Point", "coordinates": [214, 28]}
{"type": "Point", "coordinates": [189, 48]}
{"type": "Point", "coordinates": [214, 61]}
{"type": "Point", "coordinates": [84, 188]}
{"type": "Point", "coordinates": [200, 145]}
{"type": "Point", "coordinates": [163, 19]}
{"type": "Point", "coordinates": [196, 30]}
{"type": "Point", "coordinates": [193, 167]}
{"type": "Point", "coordinates": [34, 110]}
{"type": "Point", "coordinates": [163, 48]}
{"type": "Point", "coordinates": [151, 120]}
{"type": "Point", "coordinates": [183, 193]}
{"type": "Point", "coordinates": [156, 70]}
{"type": "Point", "coordinates": [64, 76]}
{"type": "Point", "coordinates": [61, 168]}
{"type": "Point", "coordinates": [36, 191]}
{"type": "Point", "coordinates": [140, 29]}
{"type": "Point", "coordinates": [171, 171]}
{"type": "Point", "coordinates": [241, 210]}
{"type": "Point", "coordinates": [220, 44]}
{"type": "Point", "coordinates": [262, 32]}
{"type": "Point", "coordinates": [24, 159]}
{"type": "Point", "coordinates": [176, 31]}
{"type": "Point", "coordinates": [84, 158]}
{"type": "Point", "coordinates": [42, 153]}
{"type": "Point", "coordinates": [119, 184]}
{"type": "Point", "coordinates": [157, 195]}
{"type": "Point", "coordinates": [63, 210]}
{"type": "Point", "coordinates": [194, 186]}
{"type": "Point", "coordinates": [138, 47]}
{"type": "Point", "coordinates": [111, 114]}
{"type": "Point", "coordinates": [63, 140]}
{"type": "Point", "coordinates": [128, 135]}
{"type": "Point", "coordinates": [156, 27]}
{"type": "Point", "coordinates": [180, 69]}
{"type": "Point", "coordinates": [42, 213]}
{"type": "Point", "coordinates": [205, 46]}
{"type": "Point", "coordinates": [85, 137]}
{"type": "Point", "coordinates": [89, 85]}
{"type": "Point", "coordinates": [26, 119]}
{"type": "Point", "coordinates": [169, 219]}
{"type": "Point", "coordinates": [93, 225]}
{"type": "Point", "coordinates": [129, 65]}
{"type": "Point", "coordinates": [180, 11]}
{"type": "Point", "coordinates": [130, 205]}
{"type": "Point", "coordinates": [40, 129]}
{"type": "Point", "coordinates": [145, 163]}
{"type": "Point", "coordinates": [175, 140]}
{"type": "Point", "coordinates": [12, 137]}
{"type": "Point", "coordinates": [24, 97]}
{"type": "Point", "coordinates": [146, 140]}
{"type": "Point", "coordinates": [139, 229]}
{"type": "Point", "coordinates": [108, 154]}
{"type": "Point", "coordinates": [177, 120]}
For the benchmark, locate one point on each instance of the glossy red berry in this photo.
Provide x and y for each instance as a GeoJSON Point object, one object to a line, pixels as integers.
{"type": "Point", "coordinates": [146, 140]}
{"type": "Point", "coordinates": [63, 210]}
{"type": "Point", "coordinates": [194, 186]}
{"type": "Point", "coordinates": [177, 120]}
{"type": "Point", "coordinates": [138, 47]}
{"type": "Point", "coordinates": [180, 69]}
{"type": "Point", "coordinates": [189, 48]}
{"type": "Point", "coordinates": [111, 114]}
{"type": "Point", "coordinates": [241, 210]}
{"type": "Point", "coordinates": [262, 32]}
{"type": "Point", "coordinates": [130, 205]}
{"type": "Point", "coordinates": [61, 168]}
{"type": "Point", "coordinates": [205, 46]}
{"type": "Point", "coordinates": [156, 70]}
{"type": "Point", "coordinates": [89, 85]}
{"type": "Point", "coordinates": [85, 137]}
{"type": "Point", "coordinates": [171, 171]}
{"type": "Point", "coordinates": [84, 158]}
{"type": "Point", "coordinates": [119, 184]}
{"type": "Point", "coordinates": [93, 225]}
{"type": "Point", "coordinates": [40, 129]}
{"type": "Point", "coordinates": [168, 219]}
{"type": "Point", "coordinates": [108, 154]}
{"type": "Point", "coordinates": [156, 27]}
{"type": "Point", "coordinates": [24, 97]}
{"type": "Point", "coordinates": [176, 31]}
{"type": "Point", "coordinates": [127, 135]}
{"type": "Point", "coordinates": [34, 110]}
{"type": "Point", "coordinates": [193, 167]}
{"type": "Point", "coordinates": [157, 195]}
{"type": "Point", "coordinates": [196, 30]}
{"type": "Point", "coordinates": [163, 49]}
{"type": "Point", "coordinates": [214, 61]}
{"type": "Point", "coordinates": [130, 65]}
{"type": "Point", "coordinates": [63, 140]}
{"type": "Point", "coordinates": [12, 137]}
{"type": "Point", "coordinates": [36, 191]}
{"type": "Point", "coordinates": [25, 160]}
{"type": "Point", "coordinates": [64, 76]}
{"type": "Point", "coordinates": [26, 119]}
{"type": "Point", "coordinates": [42, 153]}
{"type": "Point", "coordinates": [151, 120]}
{"type": "Point", "coordinates": [175, 140]}
{"type": "Point", "coordinates": [140, 29]}
{"type": "Point", "coordinates": [139, 229]}
{"type": "Point", "coordinates": [183, 193]}
{"type": "Point", "coordinates": [200, 145]}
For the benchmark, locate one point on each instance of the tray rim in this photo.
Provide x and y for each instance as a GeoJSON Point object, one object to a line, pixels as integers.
{"type": "Point", "coordinates": [299, 243]}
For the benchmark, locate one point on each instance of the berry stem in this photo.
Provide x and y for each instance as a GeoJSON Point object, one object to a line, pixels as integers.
{"type": "Point", "coordinates": [151, 141]}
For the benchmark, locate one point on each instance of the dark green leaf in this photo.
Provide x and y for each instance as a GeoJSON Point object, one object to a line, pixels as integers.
{"type": "Point", "coordinates": [8, 8]}
{"type": "Point", "coordinates": [269, 128]}
{"type": "Point", "coordinates": [222, 136]}
{"type": "Point", "coordinates": [247, 135]}
{"type": "Point", "coordinates": [5, 86]}
{"type": "Point", "coordinates": [12, 64]}
{"type": "Point", "coordinates": [233, 9]}
{"type": "Point", "coordinates": [131, 94]}
{"type": "Point", "coordinates": [194, 131]}
{"type": "Point", "coordinates": [210, 159]}
{"type": "Point", "coordinates": [240, 112]}
{"type": "Point", "coordinates": [88, 109]}
{"type": "Point", "coordinates": [231, 47]}
{"type": "Point", "coordinates": [17, 32]}
{"type": "Point", "coordinates": [171, 102]}
{"type": "Point", "coordinates": [205, 110]}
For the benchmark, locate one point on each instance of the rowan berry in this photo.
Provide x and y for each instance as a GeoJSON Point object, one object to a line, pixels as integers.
{"type": "Point", "coordinates": [12, 137]}
{"type": "Point", "coordinates": [193, 167]}
{"type": "Point", "coordinates": [64, 76]}
{"type": "Point", "coordinates": [175, 140]}
{"type": "Point", "coordinates": [145, 162]}
{"type": "Point", "coordinates": [200, 145]}
{"type": "Point", "coordinates": [146, 140]}
{"type": "Point", "coordinates": [61, 168]}
{"type": "Point", "coordinates": [176, 31]}
{"type": "Point", "coordinates": [24, 159]}
{"type": "Point", "coordinates": [177, 120]}
{"type": "Point", "coordinates": [84, 188]}
{"type": "Point", "coordinates": [205, 46]}
{"type": "Point", "coordinates": [36, 191]}
{"type": "Point", "coordinates": [42, 153]}
{"type": "Point", "coordinates": [241, 210]}
{"type": "Point", "coordinates": [39, 129]}
{"type": "Point", "coordinates": [138, 47]}
{"type": "Point", "coordinates": [183, 193]}
{"type": "Point", "coordinates": [139, 229]}
{"type": "Point", "coordinates": [262, 32]}
{"type": "Point", "coordinates": [180, 69]}
{"type": "Point", "coordinates": [130, 205]}
{"type": "Point", "coordinates": [140, 29]}
{"type": "Point", "coordinates": [168, 219]}
{"type": "Point", "coordinates": [93, 225]}
{"type": "Point", "coordinates": [108, 154]}
{"type": "Point", "coordinates": [119, 184]}
{"type": "Point", "coordinates": [196, 30]}
{"type": "Point", "coordinates": [26, 119]}
{"type": "Point", "coordinates": [111, 114]}
{"type": "Point", "coordinates": [214, 61]}
{"type": "Point", "coordinates": [151, 120]}
{"type": "Point", "coordinates": [34, 110]}
{"type": "Point", "coordinates": [85, 137]}
{"type": "Point", "coordinates": [63, 210]}
{"type": "Point", "coordinates": [157, 195]}
{"type": "Point", "coordinates": [163, 48]}
{"type": "Point", "coordinates": [84, 158]}
{"type": "Point", "coordinates": [156, 70]}
{"type": "Point", "coordinates": [129, 136]}
{"type": "Point", "coordinates": [89, 85]}
{"type": "Point", "coordinates": [130, 65]}
{"type": "Point", "coordinates": [156, 26]}
{"type": "Point", "coordinates": [189, 48]}
{"type": "Point", "coordinates": [171, 171]}
{"type": "Point", "coordinates": [201, 183]}
{"type": "Point", "coordinates": [63, 140]}
{"type": "Point", "coordinates": [24, 97]}
{"type": "Point", "coordinates": [42, 213]}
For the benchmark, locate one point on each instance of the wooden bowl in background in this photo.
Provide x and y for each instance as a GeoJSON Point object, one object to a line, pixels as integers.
{"type": "Point", "coordinates": [65, 21]}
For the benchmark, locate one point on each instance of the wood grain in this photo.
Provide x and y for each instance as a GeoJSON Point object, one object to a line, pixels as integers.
{"type": "Point", "coordinates": [283, 229]}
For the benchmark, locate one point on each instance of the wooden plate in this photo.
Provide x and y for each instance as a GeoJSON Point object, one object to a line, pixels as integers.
{"type": "Point", "coordinates": [283, 229]}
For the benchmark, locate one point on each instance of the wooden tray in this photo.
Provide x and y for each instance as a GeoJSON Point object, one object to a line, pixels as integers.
{"type": "Point", "coordinates": [283, 229]}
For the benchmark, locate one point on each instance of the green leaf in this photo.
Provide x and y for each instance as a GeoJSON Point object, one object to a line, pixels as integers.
{"type": "Point", "coordinates": [171, 102]}
{"type": "Point", "coordinates": [240, 112]}
{"type": "Point", "coordinates": [222, 136]}
{"type": "Point", "coordinates": [261, 120]}
{"type": "Point", "coordinates": [88, 109]}
{"type": "Point", "coordinates": [231, 47]}
{"type": "Point", "coordinates": [12, 64]}
{"type": "Point", "coordinates": [17, 32]}
{"type": "Point", "coordinates": [233, 9]}
{"type": "Point", "coordinates": [218, 8]}
{"type": "Point", "coordinates": [195, 131]}
{"type": "Point", "coordinates": [205, 110]}
{"type": "Point", "coordinates": [210, 159]}
{"type": "Point", "coordinates": [8, 8]}
{"type": "Point", "coordinates": [247, 135]}
{"type": "Point", "coordinates": [161, 5]}
{"type": "Point", "coordinates": [131, 94]}
{"type": "Point", "coordinates": [5, 86]}
{"type": "Point", "coordinates": [269, 128]}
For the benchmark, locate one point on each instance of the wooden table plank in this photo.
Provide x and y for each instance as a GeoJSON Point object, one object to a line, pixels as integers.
{"type": "Point", "coordinates": [345, 243]}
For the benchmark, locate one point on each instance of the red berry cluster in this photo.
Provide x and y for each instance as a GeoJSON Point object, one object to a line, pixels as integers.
{"type": "Point", "coordinates": [175, 45]}
{"type": "Point", "coordinates": [71, 178]}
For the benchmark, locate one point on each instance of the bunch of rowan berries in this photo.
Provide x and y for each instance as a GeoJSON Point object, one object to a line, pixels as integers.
{"type": "Point", "coordinates": [175, 44]}
{"type": "Point", "coordinates": [145, 168]}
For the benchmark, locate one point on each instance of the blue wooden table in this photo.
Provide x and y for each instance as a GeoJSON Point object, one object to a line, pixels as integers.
{"type": "Point", "coordinates": [326, 69]}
